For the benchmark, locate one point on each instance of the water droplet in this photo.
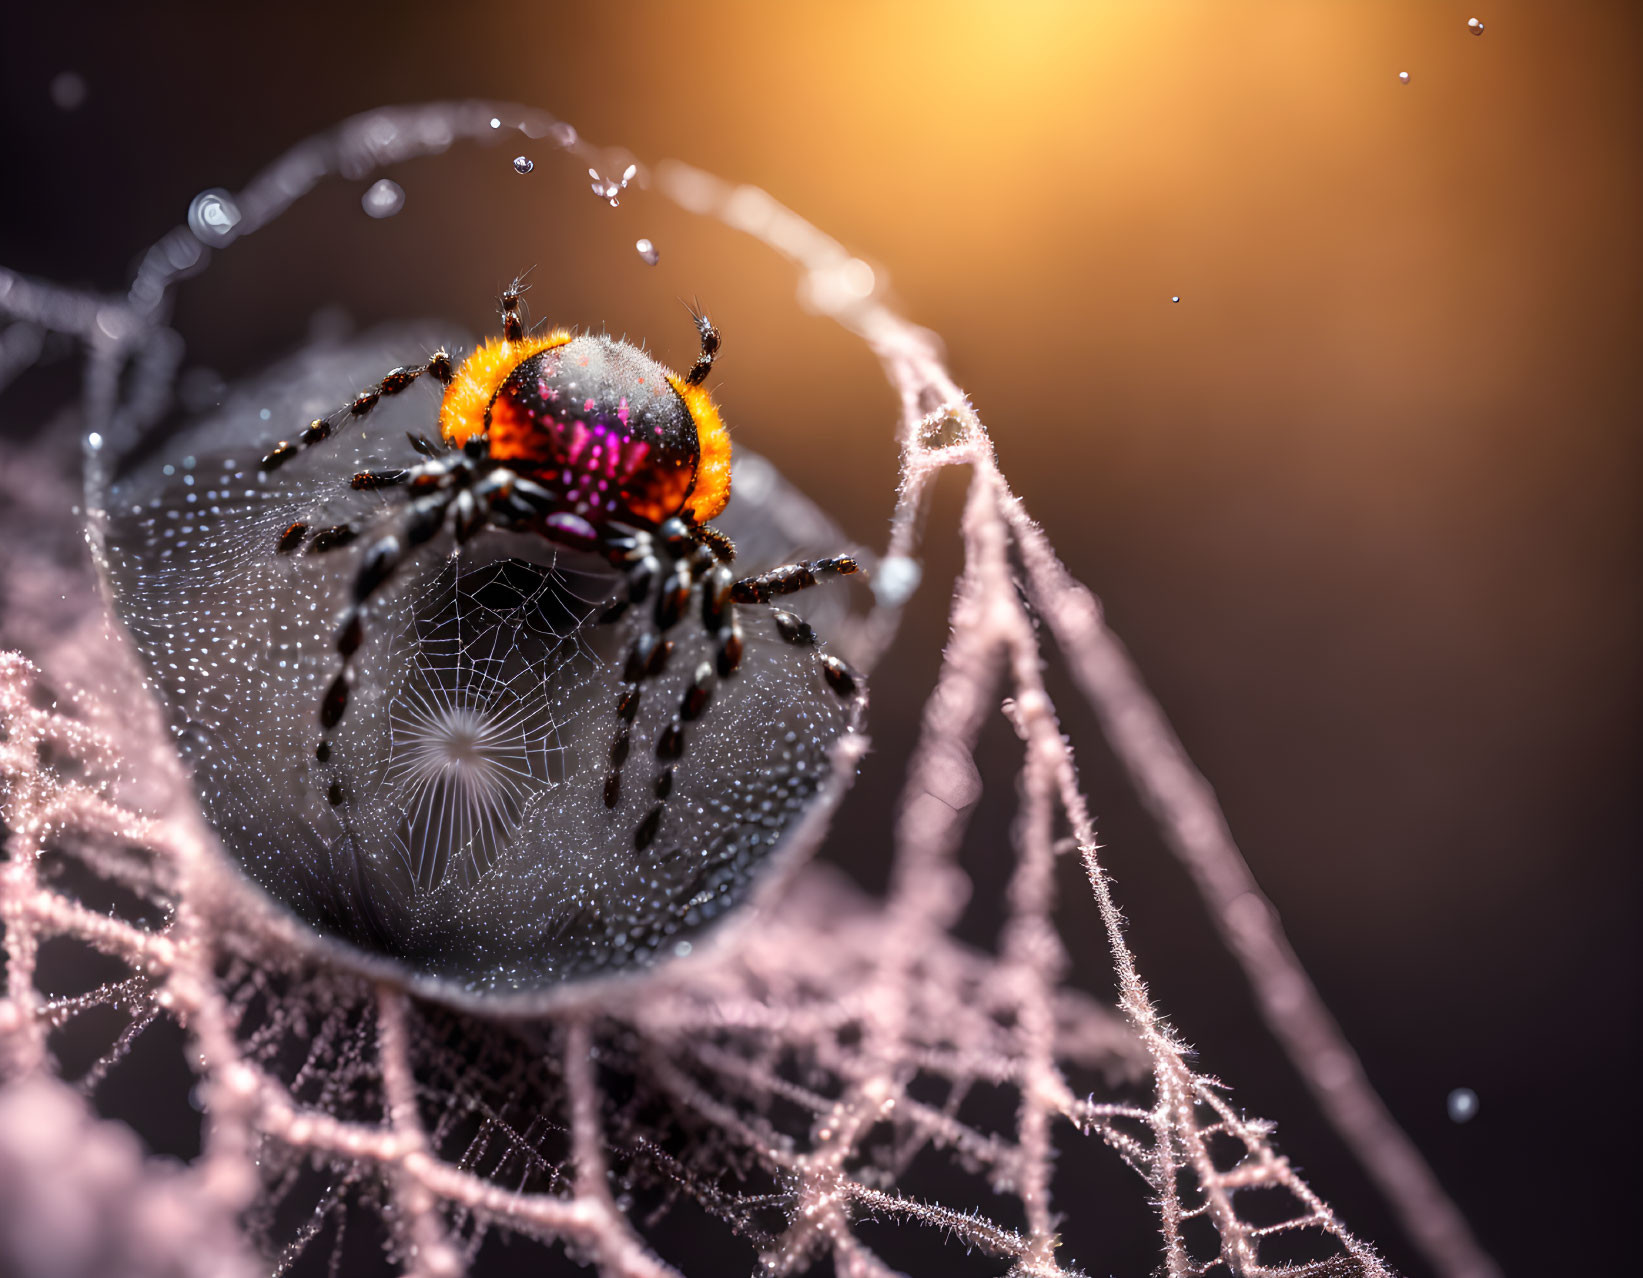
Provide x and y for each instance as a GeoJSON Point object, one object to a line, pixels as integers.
{"type": "Point", "coordinates": [68, 90]}
{"type": "Point", "coordinates": [1403, 77]}
{"type": "Point", "coordinates": [896, 580]}
{"type": "Point", "coordinates": [682, 948]}
{"type": "Point", "coordinates": [94, 441]}
{"type": "Point", "coordinates": [383, 198]}
{"type": "Point", "coordinates": [608, 189]}
{"type": "Point", "coordinates": [1463, 1105]}
{"type": "Point", "coordinates": [647, 252]}
{"type": "Point", "coordinates": [213, 215]}
{"type": "Point", "coordinates": [1175, 297]}
{"type": "Point", "coordinates": [522, 164]}
{"type": "Point", "coordinates": [495, 123]}
{"type": "Point", "coordinates": [1474, 26]}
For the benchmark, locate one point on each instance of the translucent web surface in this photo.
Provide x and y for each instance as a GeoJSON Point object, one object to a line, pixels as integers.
{"type": "Point", "coordinates": [795, 1082]}
{"type": "Point", "coordinates": [458, 818]}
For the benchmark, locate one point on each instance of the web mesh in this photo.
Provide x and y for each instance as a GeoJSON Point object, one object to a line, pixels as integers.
{"type": "Point", "coordinates": [482, 705]}
{"type": "Point", "coordinates": [793, 1083]}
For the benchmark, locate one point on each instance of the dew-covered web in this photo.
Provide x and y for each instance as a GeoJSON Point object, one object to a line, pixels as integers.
{"type": "Point", "coordinates": [469, 741]}
{"type": "Point", "coordinates": [457, 817]}
{"type": "Point", "coordinates": [818, 1075]}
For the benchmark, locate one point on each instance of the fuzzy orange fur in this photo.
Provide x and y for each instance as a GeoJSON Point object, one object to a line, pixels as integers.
{"type": "Point", "coordinates": [462, 411]}
{"type": "Point", "coordinates": [712, 490]}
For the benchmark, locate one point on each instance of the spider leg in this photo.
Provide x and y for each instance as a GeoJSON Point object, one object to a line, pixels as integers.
{"type": "Point", "coordinates": [380, 478]}
{"type": "Point", "coordinates": [513, 325]}
{"type": "Point", "coordinates": [637, 549]}
{"type": "Point", "coordinates": [700, 556]}
{"type": "Point", "coordinates": [446, 469]}
{"type": "Point", "coordinates": [840, 676]}
{"type": "Point", "coordinates": [724, 550]}
{"type": "Point", "coordinates": [423, 518]}
{"type": "Point", "coordinates": [710, 348]}
{"type": "Point", "coordinates": [791, 578]}
{"type": "Point", "coordinates": [437, 488]}
{"type": "Point", "coordinates": [438, 366]}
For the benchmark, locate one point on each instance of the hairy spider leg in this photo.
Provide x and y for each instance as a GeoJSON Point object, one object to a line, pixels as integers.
{"type": "Point", "coordinates": [710, 348]}
{"type": "Point", "coordinates": [438, 366]}
{"type": "Point", "coordinates": [513, 324]}
{"type": "Point", "coordinates": [789, 579]}
{"type": "Point", "coordinates": [464, 485]}
{"type": "Point", "coordinates": [699, 555]}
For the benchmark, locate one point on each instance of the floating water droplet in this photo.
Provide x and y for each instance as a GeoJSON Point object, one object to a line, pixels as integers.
{"type": "Point", "coordinates": [68, 90]}
{"type": "Point", "coordinates": [1175, 297]}
{"type": "Point", "coordinates": [647, 252]}
{"type": "Point", "coordinates": [522, 164]}
{"type": "Point", "coordinates": [94, 441]}
{"type": "Point", "coordinates": [1403, 77]}
{"type": "Point", "coordinates": [213, 215]}
{"type": "Point", "coordinates": [1463, 1105]}
{"type": "Point", "coordinates": [495, 123]}
{"type": "Point", "coordinates": [896, 580]}
{"type": "Point", "coordinates": [1474, 26]}
{"type": "Point", "coordinates": [607, 189]}
{"type": "Point", "coordinates": [383, 198]}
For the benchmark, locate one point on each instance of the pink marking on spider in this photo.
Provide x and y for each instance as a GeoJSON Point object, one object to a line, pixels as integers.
{"type": "Point", "coordinates": [587, 407]}
{"type": "Point", "coordinates": [579, 437]}
{"type": "Point", "coordinates": [628, 458]}
{"type": "Point", "coordinates": [622, 412]}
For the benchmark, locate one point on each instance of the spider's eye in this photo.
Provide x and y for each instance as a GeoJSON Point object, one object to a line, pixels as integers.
{"type": "Point", "coordinates": [455, 820]}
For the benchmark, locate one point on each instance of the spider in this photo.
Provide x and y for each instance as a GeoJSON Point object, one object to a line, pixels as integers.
{"type": "Point", "coordinates": [587, 442]}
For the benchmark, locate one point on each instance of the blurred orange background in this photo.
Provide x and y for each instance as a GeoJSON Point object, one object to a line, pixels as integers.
{"type": "Point", "coordinates": [1364, 502]}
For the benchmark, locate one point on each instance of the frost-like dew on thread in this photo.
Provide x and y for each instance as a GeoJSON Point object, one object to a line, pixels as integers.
{"type": "Point", "coordinates": [798, 1055]}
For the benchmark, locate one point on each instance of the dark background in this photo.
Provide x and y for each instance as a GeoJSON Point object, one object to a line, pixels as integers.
{"type": "Point", "coordinates": [1364, 504]}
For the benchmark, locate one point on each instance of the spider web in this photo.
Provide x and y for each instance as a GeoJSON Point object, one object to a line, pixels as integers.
{"type": "Point", "coordinates": [789, 1083]}
{"type": "Point", "coordinates": [468, 744]}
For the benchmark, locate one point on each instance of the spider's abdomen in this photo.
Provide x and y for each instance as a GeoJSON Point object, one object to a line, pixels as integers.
{"type": "Point", "coordinates": [598, 423]}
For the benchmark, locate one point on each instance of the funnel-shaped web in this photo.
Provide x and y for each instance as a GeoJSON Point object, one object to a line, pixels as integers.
{"type": "Point", "coordinates": [791, 1081]}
